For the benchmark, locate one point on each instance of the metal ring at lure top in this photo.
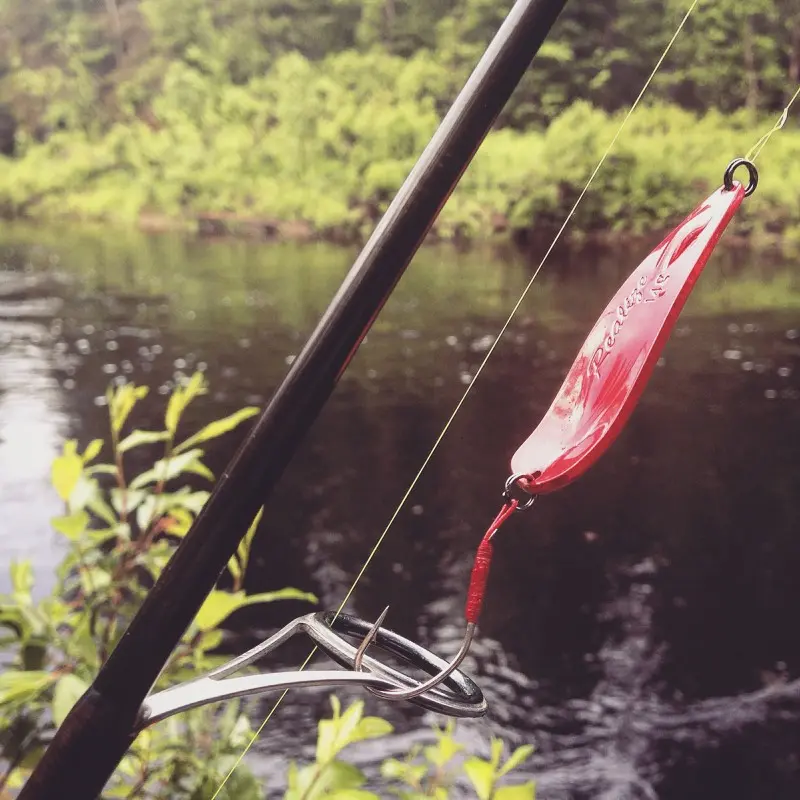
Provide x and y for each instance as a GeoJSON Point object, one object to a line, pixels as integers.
{"type": "Point", "coordinates": [511, 483]}
{"type": "Point", "coordinates": [732, 167]}
{"type": "Point", "coordinates": [464, 698]}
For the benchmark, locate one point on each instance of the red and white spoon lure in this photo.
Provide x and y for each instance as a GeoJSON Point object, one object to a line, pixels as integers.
{"type": "Point", "coordinates": [612, 368]}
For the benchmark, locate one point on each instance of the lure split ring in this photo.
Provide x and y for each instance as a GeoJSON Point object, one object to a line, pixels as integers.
{"type": "Point", "coordinates": [727, 180]}
{"type": "Point", "coordinates": [525, 499]}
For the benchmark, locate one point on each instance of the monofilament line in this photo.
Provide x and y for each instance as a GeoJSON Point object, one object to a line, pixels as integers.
{"type": "Point", "coordinates": [754, 152]}
{"type": "Point", "coordinates": [483, 363]}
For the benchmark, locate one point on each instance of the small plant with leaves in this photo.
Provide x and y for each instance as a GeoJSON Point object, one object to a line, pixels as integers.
{"type": "Point", "coordinates": [427, 772]}
{"type": "Point", "coordinates": [122, 531]}
{"type": "Point", "coordinates": [329, 776]}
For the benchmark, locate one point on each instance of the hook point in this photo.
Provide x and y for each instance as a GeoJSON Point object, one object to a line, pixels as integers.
{"type": "Point", "coordinates": [368, 639]}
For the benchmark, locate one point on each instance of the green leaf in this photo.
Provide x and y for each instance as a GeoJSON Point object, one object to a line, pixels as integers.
{"type": "Point", "coordinates": [16, 686]}
{"type": "Point", "coordinates": [22, 581]}
{"type": "Point", "coordinates": [131, 767]}
{"type": "Point", "coordinates": [326, 740]}
{"type": "Point", "coordinates": [13, 619]}
{"type": "Point", "coordinates": [128, 499]}
{"type": "Point", "coordinates": [66, 470]}
{"type": "Point", "coordinates": [497, 752]}
{"type": "Point", "coordinates": [85, 491]}
{"type": "Point", "coordinates": [481, 775]}
{"type": "Point", "coordinates": [101, 535]}
{"type": "Point", "coordinates": [396, 770]}
{"type": "Point", "coordinates": [167, 468]}
{"type": "Point", "coordinates": [19, 777]}
{"type": "Point", "coordinates": [199, 468]}
{"type": "Point", "coordinates": [92, 450]}
{"type": "Point", "coordinates": [242, 733]}
{"type": "Point", "coordinates": [280, 594]}
{"type": "Point", "coordinates": [336, 706]}
{"type": "Point", "coordinates": [348, 723]}
{"type": "Point", "coordinates": [524, 791]}
{"type": "Point", "coordinates": [210, 640]}
{"type": "Point", "coordinates": [175, 408]}
{"type": "Point", "coordinates": [233, 567]}
{"type": "Point", "coordinates": [520, 755]}
{"type": "Point", "coordinates": [138, 438]}
{"type": "Point", "coordinates": [444, 750]}
{"type": "Point", "coordinates": [97, 505]}
{"type": "Point", "coordinates": [122, 790]}
{"type": "Point", "coordinates": [238, 562]}
{"type": "Point", "coordinates": [292, 777]}
{"type": "Point", "coordinates": [155, 558]}
{"type": "Point", "coordinates": [101, 469]}
{"type": "Point", "coordinates": [191, 501]}
{"type": "Point", "coordinates": [342, 779]}
{"type": "Point", "coordinates": [219, 605]}
{"type": "Point", "coordinates": [178, 522]}
{"type": "Point", "coordinates": [121, 403]}
{"type": "Point", "coordinates": [93, 579]}
{"type": "Point", "coordinates": [68, 691]}
{"type": "Point", "coordinates": [148, 511]}
{"type": "Point", "coordinates": [372, 728]}
{"type": "Point", "coordinates": [300, 782]}
{"type": "Point", "coordinates": [72, 526]}
{"type": "Point", "coordinates": [335, 734]}
{"type": "Point", "coordinates": [181, 397]}
{"type": "Point", "coordinates": [80, 643]}
{"type": "Point", "coordinates": [227, 717]}
{"type": "Point", "coordinates": [218, 428]}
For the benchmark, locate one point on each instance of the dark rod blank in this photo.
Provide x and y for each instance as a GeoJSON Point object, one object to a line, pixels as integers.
{"type": "Point", "coordinates": [91, 741]}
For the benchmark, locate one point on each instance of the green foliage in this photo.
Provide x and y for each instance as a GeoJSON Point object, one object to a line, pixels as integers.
{"type": "Point", "coordinates": [121, 532]}
{"type": "Point", "coordinates": [308, 115]}
{"type": "Point", "coordinates": [334, 167]}
{"type": "Point", "coordinates": [737, 55]}
{"type": "Point", "coordinates": [426, 771]}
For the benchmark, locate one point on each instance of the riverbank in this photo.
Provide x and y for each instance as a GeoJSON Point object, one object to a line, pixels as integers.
{"type": "Point", "coordinates": [224, 176]}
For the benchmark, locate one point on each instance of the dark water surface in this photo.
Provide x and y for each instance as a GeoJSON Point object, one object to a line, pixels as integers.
{"type": "Point", "coordinates": [641, 626]}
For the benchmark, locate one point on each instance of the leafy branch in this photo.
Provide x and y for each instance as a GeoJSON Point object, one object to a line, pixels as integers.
{"type": "Point", "coordinates": [121, 533]}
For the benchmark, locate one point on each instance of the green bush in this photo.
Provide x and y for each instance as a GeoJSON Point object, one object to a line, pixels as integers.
{"type": "Point", "coordinates": [121, 532]}
{"type": "Point", "coordinates": [334, 161]}
{"type": "Point", "coordinates": [425, 772]}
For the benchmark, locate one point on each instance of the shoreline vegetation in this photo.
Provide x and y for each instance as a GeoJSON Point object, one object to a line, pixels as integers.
{"type": "Point", "coordinates": [299, 121]}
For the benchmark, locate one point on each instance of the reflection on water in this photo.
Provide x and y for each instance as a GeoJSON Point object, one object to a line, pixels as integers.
{"type": "Point", "coordinates": [32, 427]}
{"type": "Point", "coordinates": [639, 627]}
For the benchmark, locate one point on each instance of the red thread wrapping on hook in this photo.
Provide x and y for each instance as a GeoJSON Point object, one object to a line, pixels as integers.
{"type": "Point", "coordinates": [483, 560]}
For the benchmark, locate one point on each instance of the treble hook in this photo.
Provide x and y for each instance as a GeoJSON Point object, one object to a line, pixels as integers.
{"type": "Point", "coordinates": [480, 574]}
{"type": "Point", "coordinates": [431, 683]}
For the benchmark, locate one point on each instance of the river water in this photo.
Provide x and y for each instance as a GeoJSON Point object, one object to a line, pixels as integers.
{"type": "Point", "coordinates": [641, 625]}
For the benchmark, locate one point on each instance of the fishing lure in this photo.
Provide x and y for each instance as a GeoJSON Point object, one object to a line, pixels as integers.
{"type": "Point", "coordinates": [590, 409]}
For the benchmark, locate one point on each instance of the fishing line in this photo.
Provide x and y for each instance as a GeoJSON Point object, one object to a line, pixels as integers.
{"type": "Point", "coordinates": [756, 149]}
{"type": "Point", "coordinates": [478, 372]}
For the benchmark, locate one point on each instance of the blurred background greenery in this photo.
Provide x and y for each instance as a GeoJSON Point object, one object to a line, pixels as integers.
{"type": "Point", "coordinates": [306, 115]}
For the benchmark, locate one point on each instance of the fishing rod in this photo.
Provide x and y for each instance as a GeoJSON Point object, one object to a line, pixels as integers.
{"type": "Point", "coordinates": [104, 722]}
